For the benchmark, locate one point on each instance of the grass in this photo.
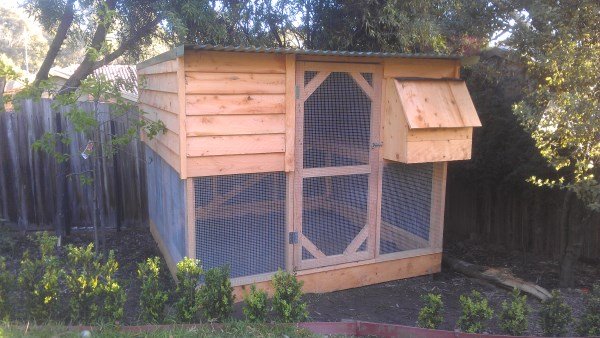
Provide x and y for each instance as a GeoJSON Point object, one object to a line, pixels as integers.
{"type": "Point", "coordinates": [233, 329]}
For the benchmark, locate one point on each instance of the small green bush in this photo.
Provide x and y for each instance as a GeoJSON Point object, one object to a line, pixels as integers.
{"type": "Point", "coordinates": [430, 316]}
{"type": "Point", "coordinates": [514, 316]}
{"type": "Point", "coordinates": [217, 294]}
{"type": "Point", "coordinates": [256, 309]}
{"type": "Point", "coordinates": [287, 299]}
{"type": "Point", "coordinates": [589, 324]}
{"type": "Point", "coordinates": [187, 292]}
{"type": "Point", "coordinates": [152, 296]}
{"type": "Point", "coordinates": [6, 281]}
{"type": "Point", "coordinates": [555, 316]}
{"type": "Point", "coordinates": [475, 312]}
{"type": "Point", "coordinates": [39, 278]}
{"type": "Point", "coordinates": [95, 296]}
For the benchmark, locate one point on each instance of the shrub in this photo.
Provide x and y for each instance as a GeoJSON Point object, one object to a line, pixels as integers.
{"type": "Point", "coordinates": [94, 293]}
{"type": "Point", "coordinates": [187, 292]}
{"type": "Point", "coordinates": [514, 316]}
{"type": "Point", "coordinates": [589, 324]}
{"type": "Point", "coordinates": [152, 296]}
{"type": "Point", "coordinates": [5, 286]}
{"type": "Point", "coordinates": [430, 316]}
{"type": "Point", "coordinates": [555, 316]}
{"type": "Point", "coordinates": [39, 278]}
{"type": "Point", "coordinates": [217, 294]}
{"type": "Point", "coordinates": [475, 312]}
{"type": "Point", "coordinates": [287, 300]}
{"type": "Point", "coordinates": [256, 305]}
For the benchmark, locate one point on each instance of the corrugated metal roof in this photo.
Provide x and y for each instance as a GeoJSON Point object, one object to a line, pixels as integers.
{"type": "Point", "coordinates": [180, 50]}
{"type": "Point", "coordinates": [299, 51]}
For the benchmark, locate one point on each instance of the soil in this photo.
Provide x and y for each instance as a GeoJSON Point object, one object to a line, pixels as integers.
{"type": "Point", "coordinates": [395, 302]}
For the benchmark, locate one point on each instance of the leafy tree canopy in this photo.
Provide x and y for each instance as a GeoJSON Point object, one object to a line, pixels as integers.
{"type": "Point", "coordinates": [560, 43]}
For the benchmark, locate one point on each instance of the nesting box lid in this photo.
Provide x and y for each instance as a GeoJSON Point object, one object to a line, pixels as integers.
{"type": "Point", "coordinates": [435, 103]}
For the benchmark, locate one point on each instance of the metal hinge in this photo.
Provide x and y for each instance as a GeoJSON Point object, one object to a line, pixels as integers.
{"type": "Point", "coordinates": [297, 89]}
{"type": "Point", "coordinates": [376, 145]}
{"type": "Point", "coordinates": [293, 237]}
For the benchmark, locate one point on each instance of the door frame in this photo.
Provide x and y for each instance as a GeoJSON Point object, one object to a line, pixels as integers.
{"type": "Point", "coordinates": [369, 232]}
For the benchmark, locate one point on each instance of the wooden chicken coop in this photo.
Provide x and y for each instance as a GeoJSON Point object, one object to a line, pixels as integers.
{"type": "Point", "coordinates": [328, 164]}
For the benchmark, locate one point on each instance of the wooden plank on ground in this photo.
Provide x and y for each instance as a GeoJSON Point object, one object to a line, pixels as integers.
{"type": "Point", "coordinates": [234, 83]}
{"type": "Point", "coordinates": [235, 144]}
{"type": "Point", "coordinates": [220, 125]}
{"type": "Point", "coordinates": [240, 104]}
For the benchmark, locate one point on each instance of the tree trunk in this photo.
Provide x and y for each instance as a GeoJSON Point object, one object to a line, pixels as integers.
{"type": "Point", "coordinates": [573, 232]}
{"type": "Point", "coordinates": [86, 67]}
{"type": "Point", "coordinates": [2, 85]}
{"type": "Point", "coordinates": [59, 38]}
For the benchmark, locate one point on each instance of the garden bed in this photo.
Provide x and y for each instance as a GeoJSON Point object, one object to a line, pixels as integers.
{"type": "Point", "coordinates": [395, 302]}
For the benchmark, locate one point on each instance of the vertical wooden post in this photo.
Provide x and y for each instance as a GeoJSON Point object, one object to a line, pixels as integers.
{"type": "Point", "coordinates": [190, 214]}
{"type": "Point", "coordinates": [438, 198]}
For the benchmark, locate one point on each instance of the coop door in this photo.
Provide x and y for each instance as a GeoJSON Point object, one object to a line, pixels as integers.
{"type": "Point", "coordinates": [337, 152]}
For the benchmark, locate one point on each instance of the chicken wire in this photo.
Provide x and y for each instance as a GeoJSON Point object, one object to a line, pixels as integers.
{"type": "Point", "coordinates": [406, 206]}
{"type": "Point", "coordinates": [337, 123]}
{"type": "Point", "coordinates": [240, 222]}
{"type": "Point", "coordinates": [334, 212]}
{"type": "Point", "coordinates": [166, 203]}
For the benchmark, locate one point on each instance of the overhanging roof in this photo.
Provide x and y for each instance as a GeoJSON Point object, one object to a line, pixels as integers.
{"type": "Point", "coordinates": [180, 50]}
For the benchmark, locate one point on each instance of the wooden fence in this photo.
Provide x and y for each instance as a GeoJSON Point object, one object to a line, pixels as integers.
{"type": "Point", "coordinates": [518, 217]}
{"type": "Point", "coordinates": [36, 191]}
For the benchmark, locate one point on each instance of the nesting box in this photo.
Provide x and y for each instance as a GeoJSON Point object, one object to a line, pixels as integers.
{"type": "Point", "coordinates": [329, 164]}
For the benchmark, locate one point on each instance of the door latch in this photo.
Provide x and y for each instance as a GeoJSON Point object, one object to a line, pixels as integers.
{"type": "Point", "coordinates": [376, 145]}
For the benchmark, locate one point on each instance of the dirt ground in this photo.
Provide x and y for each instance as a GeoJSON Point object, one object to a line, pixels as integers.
{"type": "Point", "coordinates": [394, 302]}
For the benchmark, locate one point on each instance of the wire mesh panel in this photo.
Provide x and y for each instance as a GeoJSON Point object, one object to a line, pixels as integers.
{"type": "Point", "coordinates": [240, 222]}
{"type": "Point", "coordinates": [337, 123]}
{"type": "Point", "coordinates": [406, 206]}
{"type": "Point", "coordinates": [166, 203]}
{"type": "Point", "coordinates": [334, 212]}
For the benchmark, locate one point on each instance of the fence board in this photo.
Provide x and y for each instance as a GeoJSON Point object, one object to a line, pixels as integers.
{"type": "Point", "coordinates": [35, 190]}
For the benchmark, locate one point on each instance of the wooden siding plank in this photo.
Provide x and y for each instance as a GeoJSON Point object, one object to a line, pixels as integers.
{"type": "Point", "coordinates": [290, 112]}
{"type": "Point", "coordinates": [356, 275]}
{"type": "Point", "coordinates": [235, 164]}
{"type": "Point", "coordinates": [170, 140]}
{"type": "Point", "coordinates": [235, 104]}
{"type": "Point", "coordinates": [438, 151]}
{"type": "Point", "coordinates": [170, 119]}
{"type": "Point", "coordinates": [164, 82]}
{"type": "Point", "coordinates": [238, 144]}
{"type": "Point", "coordinates": [163, 67]}
{"type": "Point", "coordinates": [234, 83]}
{"type": "Point", "coordinates": [221, 125]}
{"type": "Point", "coordinates": [164, 152]}
{"type": "Point", "coordinates": [232, 62]}
{"type": "Point", "coordinates": [423, 68]}
{"type": "Point", "coordinates": [160, 100]}
{"type": "Point", "coordinates": [439, 134]}
{"type": "Point", "coordinates": [341, 67]}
